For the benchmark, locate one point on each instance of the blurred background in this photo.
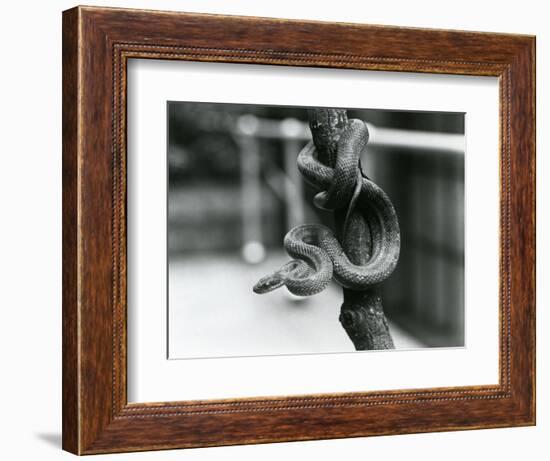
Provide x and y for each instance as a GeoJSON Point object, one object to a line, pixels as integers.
{"type": "Point", "coordinates": [234, 191]}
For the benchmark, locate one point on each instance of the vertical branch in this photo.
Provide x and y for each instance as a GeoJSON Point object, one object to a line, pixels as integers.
{"type": "Point", "coordinates": [362, 313]}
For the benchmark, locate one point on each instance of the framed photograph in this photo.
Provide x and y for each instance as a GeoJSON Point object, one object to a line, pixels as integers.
{"type": "Point", "coordinates": [282, 230]}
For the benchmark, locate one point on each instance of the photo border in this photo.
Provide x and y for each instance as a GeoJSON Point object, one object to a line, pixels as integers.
{"type": "Point", "coordinates": [97, 42]}
{"type": "Point", "coordinates": [151, 378]}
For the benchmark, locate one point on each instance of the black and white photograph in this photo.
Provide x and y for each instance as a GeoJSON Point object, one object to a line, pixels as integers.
{"type": "Point", "coordinates": [313, 230]}
{"type": "Point", "coordinates": [271, 231]}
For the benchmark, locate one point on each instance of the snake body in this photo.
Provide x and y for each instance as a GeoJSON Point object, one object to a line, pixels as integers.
{"type": "Point", "coordinates": [318, 254]}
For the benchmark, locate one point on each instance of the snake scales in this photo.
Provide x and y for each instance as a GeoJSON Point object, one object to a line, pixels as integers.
{"type": "Point", "coordinates": [318, 254]}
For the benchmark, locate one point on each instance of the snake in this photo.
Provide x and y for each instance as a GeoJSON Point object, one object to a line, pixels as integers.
{"type": "Point", "coordinates": [318, 255]}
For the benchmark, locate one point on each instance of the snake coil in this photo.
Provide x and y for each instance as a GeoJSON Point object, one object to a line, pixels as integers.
{"type": "Point", "coordinates": [318, 255]}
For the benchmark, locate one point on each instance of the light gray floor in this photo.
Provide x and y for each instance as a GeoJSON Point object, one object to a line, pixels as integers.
{"type": "Point", "coordinates": [213, 312]}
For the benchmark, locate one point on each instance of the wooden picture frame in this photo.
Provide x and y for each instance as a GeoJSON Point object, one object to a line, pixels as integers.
{"type": "Point", "coordinates": [97, 43]}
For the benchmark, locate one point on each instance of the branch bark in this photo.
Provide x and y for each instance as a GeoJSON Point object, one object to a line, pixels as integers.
{"type": "Point", "coordinates": [361, 313]}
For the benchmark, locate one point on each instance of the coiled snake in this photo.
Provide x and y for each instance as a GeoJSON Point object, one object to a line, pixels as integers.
{"type": "Point", "coordinates": [318, 255]}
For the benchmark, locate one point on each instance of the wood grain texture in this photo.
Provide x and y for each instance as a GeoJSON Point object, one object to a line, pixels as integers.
{"type": "Point", "coordinates": [70, 384]}
{"type": "Point", "coordinates": [97, 42]}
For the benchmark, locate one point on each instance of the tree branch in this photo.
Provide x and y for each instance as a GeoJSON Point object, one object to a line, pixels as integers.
{"type": "Point", "coordinates": [362, 313]}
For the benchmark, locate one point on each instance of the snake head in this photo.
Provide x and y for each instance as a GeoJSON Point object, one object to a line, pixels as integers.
{"type": "Point", "coordinates": [268, 283]}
